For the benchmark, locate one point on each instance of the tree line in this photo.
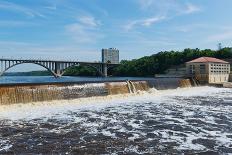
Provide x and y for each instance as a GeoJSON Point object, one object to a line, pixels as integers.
{"type": "Point", "coordinates": [148, 66]}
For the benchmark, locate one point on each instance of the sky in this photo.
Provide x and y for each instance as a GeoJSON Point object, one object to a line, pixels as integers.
{"type": "Point", "coordinates": [79, 29]}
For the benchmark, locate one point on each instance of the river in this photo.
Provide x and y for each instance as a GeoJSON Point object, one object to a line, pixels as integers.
{"type": "Point", "coordinates": [50, 79]}
{"type": "Point", "coordinates": [186, 120]}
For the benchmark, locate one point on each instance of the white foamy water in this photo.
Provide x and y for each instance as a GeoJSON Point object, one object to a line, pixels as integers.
{"type": "Point", "coordinates": [170, 121]}
{"type": "Point", "coordinates": [47, 109]}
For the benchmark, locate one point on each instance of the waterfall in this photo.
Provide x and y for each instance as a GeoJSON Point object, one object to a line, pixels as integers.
{"type": "Point", "coordinates": [133, 87]}
{"type": "Point", "coordinates": [129, 86]}
{"type": "Point", "coordinates": [185, 83]}
{"type": "Point", "coordinates": [47, 92]}
{"type": "Point", "coordinates": [195, 81]}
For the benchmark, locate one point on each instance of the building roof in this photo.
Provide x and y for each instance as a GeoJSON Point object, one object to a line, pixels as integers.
{"type": "Point", "coordinates": [207, 59]}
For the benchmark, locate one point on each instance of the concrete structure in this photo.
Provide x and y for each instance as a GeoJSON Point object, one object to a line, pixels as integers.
{"type": "Point", "coordinates": [110, 55]}
{"type": "Point", "coordinates": [208, 70]}
{"type": "Point", "coordinates": [178, 71]}
{"type": "Point", "coordinates": [57, 68]}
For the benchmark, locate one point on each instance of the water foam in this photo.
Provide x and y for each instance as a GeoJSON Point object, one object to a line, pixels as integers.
{"type": "Point", "coordinates": [48, 109]}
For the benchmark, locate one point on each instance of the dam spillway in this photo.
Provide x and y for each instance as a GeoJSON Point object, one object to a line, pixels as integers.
{"type": "Point", "coordinates": [27, 93]}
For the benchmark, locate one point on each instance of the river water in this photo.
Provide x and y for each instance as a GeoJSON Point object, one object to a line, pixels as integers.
{"type": "Point", "coordinates": [49, 79]}
{"type": "Point", "coordinates": [187, 120]}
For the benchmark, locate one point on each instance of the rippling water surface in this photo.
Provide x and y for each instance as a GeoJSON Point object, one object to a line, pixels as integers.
{"type": "Point", "coordinates": [191, 120]}
{"type": "Point", "coordinates": [63, 79]}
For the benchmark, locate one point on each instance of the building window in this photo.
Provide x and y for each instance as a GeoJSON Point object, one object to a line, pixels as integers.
{"type": "Point", "coordinates": [192, 69]}
{"type": "Point", "coordinates": [202, 69]}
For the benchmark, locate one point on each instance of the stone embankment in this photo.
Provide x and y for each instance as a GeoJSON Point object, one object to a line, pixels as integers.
{"type": "Point", "coordinates": [11, 94]}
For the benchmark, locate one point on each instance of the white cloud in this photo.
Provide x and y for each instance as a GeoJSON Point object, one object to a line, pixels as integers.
{"type": "Point", "coordinates": [144, 4]}
{"type": "Point", "coordinates": [150, 21]}
{"type": "Point", "coordinates": [85, 30]}
{"type": "Point", "coordinates": [165, 9]}
{"type": "Point", "coordinates": [190, 8]}
{"type": "Point", "coordinates": [18, 8]}
{"type": "Point", "coordinates": [53, 7]}
{"type": "Point", "coordinates": [89, 21]}
{"type": "Point", "coordinates": [167, 6]}
{"type": "Point", "coordinates": [144, 22]}
{"type": "Point", "coordinates": [80, 33]}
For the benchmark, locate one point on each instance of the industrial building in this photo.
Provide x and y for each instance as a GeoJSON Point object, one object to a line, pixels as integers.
{"type": "Point", "coordinates": [208, 70]}
{"type": "Point", "coordinates": [110, 55]}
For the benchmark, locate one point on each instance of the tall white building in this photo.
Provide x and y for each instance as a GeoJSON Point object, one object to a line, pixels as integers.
{"type": "Point", "coordinates": [110, 55]}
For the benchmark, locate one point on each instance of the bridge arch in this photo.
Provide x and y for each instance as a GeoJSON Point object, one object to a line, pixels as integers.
{"type": "Point", "coordinates": [36, 63]}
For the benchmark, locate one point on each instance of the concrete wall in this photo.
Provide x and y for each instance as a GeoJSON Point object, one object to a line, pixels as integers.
{"type": "Point", "coordinates": [165, 83]}
{"type": "Point", "coordinates": [230, 78]}
{"type": "Point", "coordinates": [218, 78]}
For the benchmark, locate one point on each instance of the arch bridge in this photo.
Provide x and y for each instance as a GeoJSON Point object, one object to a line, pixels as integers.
{"type": "Point", "coordinates": [56, 68]}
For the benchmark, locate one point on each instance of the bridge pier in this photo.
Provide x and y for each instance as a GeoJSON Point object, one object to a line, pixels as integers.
{"type": "Point", "coordinates": [57, 69]}
{"type": "Point", "coordinates": [105, 69]}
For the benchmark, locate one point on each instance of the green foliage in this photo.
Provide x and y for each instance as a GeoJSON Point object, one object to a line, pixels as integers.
{"type": "Point", "coordinates": [154, 64]}
{"type": "Point", "coordinates": [158, 63]}
{"type": "Point", "coordinates": [81, 71]}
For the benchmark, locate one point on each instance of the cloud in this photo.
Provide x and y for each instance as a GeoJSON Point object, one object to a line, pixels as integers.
{"type": "Point", "coordinates": [162, 10]}
{"type": "Point", "coordinates": [18, 8]}
{"type": "Point", "coordinates": [190, 8]}
{"type": "Point", "coordinates": [168, 6]}
{"type": "Point", "coordinates": [144, 4]}
{"type": "Point", "coordinates": [89, 21]}
{"type": "Point", "coordinates": [150, 21]}
{"type": "Point", "coordinates": [80, 33]}
{"type": "Point", "coordinates": [85, 30]}
{"type": "Point", "coordinates": [144, 22]}
{"type": "Point", "coordinates": [53, 7]}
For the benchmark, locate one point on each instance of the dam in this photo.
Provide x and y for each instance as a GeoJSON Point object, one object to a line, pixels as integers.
{"type": "Point", "coordinates": [35, 92]}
